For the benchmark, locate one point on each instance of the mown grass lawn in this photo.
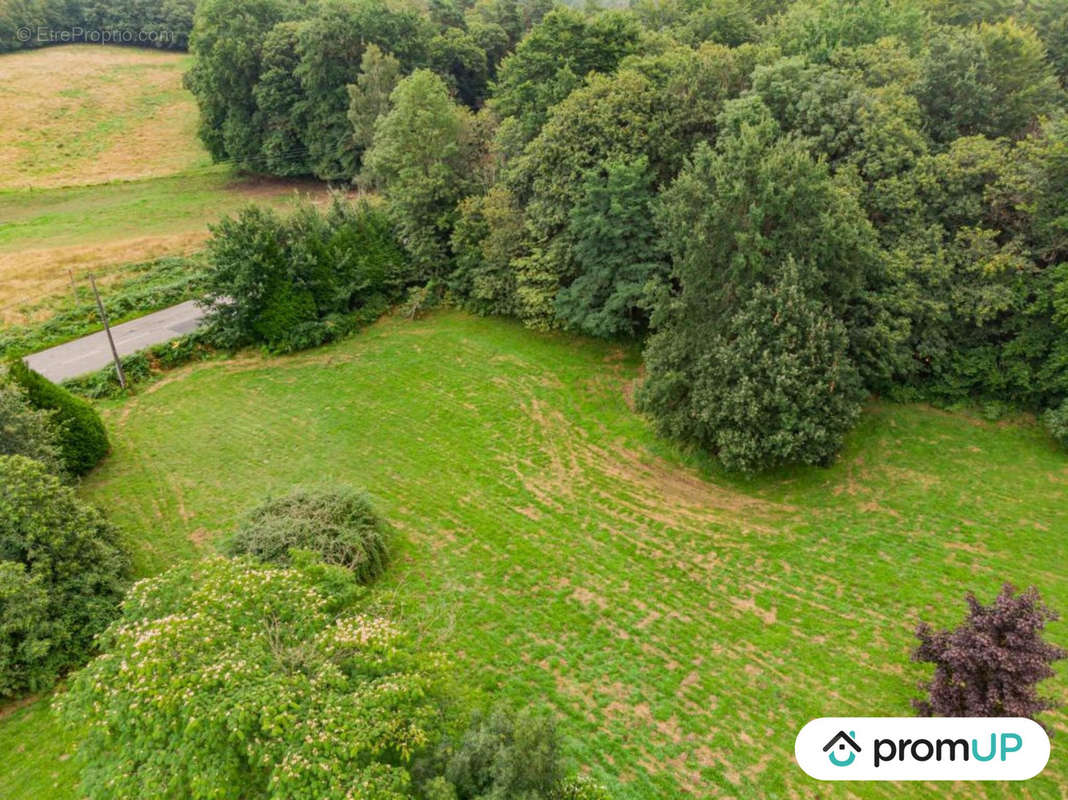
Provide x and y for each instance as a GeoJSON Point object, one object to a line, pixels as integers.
{"type": "Point", "coordinates": [683, 625]}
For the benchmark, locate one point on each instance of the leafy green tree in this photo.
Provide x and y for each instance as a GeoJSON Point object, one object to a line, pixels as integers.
{"type": "Point", "coordinates": [552, 60]}
{"type": "Point", "coordinates": [331, 47]}
{"type": "Point", "coordinates": [1056, 422]}
{"type": "Point", "coordinates": [992, 80]}
{"type": "Point", "coordinates": [970, 12]}
{"type": "Point", "coordinates": [979, 244]}
{"type": "Point", "coordinates": [493, 40]}
{"type": "Point", "coordinates": [514, 17]}
{"type": "Point", "coordinates": [62, 574]}
{"type": "Point", "coordinates": [224, 679]}
{"type": "Point", "coordinates": [502, 755]}
{"type": "Point", "coordinates": [1050, 19]}
{"type": "Point", "coordinates": [457, 57]}
{"type": "Point", "coordinates": [422, 155]}
{"type": "Point", "coordinates": [380, 73]}
{"type": "Point", "coordinates": [488, 238]}
{"type": "Point", "coordinates": [858, 113]}
{"type": "Point", "coordinates": [227, 45]}
{"type": "Point", "coordinates": [616, 250]}
{"type": "Point", "coordinates": [656, 107]}
{"type": "Point", "coordinates": [727, 22]}
{"type": "Point", "coordinates": [816, 28]}
{"type": "Point", "coordinates": [776, 386]}
{"type": "Point", "coordinates": [733, 220]}
{"type": "Point", "coordinates": [279, 110]}
{"type": "Point", "coordinates": [27, 431]}
{"type": "Point", "coordinates": [82, 438]}
{"type": "Point", "coordinates": [298, 282]}
{"type": "Point", "coordinates": [165, 24]}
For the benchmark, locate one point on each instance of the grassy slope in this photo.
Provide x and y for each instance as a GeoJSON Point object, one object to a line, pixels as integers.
{"type": "Point", "coordinates": [86, 114]}
{"type": "Point", "coordinates": [100, 165]}
{"type": "Point", "coordinates": [684, 628]}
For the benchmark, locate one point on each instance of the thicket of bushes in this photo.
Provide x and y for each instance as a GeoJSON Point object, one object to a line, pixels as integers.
{"type": "Point", "coordinates": [82, 438]}
{"type": "Point", "coordinates": [338, 524]}
{"type": "Point", "coordinates": [294, 282]}
{"type": "Point", "coordinates": [62, 569]}
{"type": "Point", "coordinates": [62, 574]}
{"type": "Point", "coordinates": [802, 202]}
{"type": "Point", "coordinates": [166, 24]}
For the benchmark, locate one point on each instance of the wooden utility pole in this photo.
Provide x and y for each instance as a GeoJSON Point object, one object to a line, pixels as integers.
{"type": "Point", "coordinates": [107, 330]}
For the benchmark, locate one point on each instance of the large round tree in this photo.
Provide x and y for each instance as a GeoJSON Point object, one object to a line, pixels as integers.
{"type": "Point", "coordinates": [766, 326]}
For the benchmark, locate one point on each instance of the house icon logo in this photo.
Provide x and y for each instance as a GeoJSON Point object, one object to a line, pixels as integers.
{"type": "Point", "coordinates": [838, 745]}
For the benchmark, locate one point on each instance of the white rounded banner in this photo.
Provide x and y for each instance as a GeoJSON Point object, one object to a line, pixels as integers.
{"type": "Point", "coordinates": [922, 748]}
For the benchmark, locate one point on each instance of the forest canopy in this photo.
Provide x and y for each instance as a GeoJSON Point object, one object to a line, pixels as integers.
{"type": "Point", "coordinates": [794, 204]}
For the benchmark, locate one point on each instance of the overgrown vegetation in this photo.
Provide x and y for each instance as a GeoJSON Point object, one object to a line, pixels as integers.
{"type": "Point", "coordinates": [339, 525]}
{"type": "Point", "coordinates": [499, 755]}
{"type": "Point", "coordinates": [62, 574]}
{"type": "Point", "coordinates": [294, 283]}
{"type": "Point", "coordinates": [28, 431]}
{"type": "Point", "coordinates": [82, 438]}
{"type": "Point", "coordinates": [140, 288]}
{"type": "Point", "coordinates": [900, 165]}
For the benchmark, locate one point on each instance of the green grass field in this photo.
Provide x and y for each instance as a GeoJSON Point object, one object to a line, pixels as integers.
{"type": "Point", "coordinates": [683, 625]}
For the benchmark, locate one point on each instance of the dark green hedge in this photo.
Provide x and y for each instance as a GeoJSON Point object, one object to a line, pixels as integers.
{"type": "Point", "coordinates": [83, 440]}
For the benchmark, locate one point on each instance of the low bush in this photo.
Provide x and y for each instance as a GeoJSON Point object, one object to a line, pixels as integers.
{"type": "Point", "coordinates": [991, 664]}
{"type": "Point", "coordinates": [62, 575]}
{"type": "Point", "coordinates": [27, 431]}
{"type": "Point", "coordinates": [83, 440]}
{"type": "Point", "coordinates": [504, 755]}
{"type": "Point", "coordinates": [1056, 420]}
{"type": "Point", "coordinates": [226, 679]}
{"type": "Point", "coordinates": [339, 524]}
{"type": "Point", "coordinates": [291, 283]}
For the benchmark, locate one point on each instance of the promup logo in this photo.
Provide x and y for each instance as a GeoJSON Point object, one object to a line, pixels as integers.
{"type": "Point", "coordinates": [922, 749]}
{"type": "Point", "coordinates": [842, 739]}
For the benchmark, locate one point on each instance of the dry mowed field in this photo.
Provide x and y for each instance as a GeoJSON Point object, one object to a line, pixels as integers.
{"type": "Point", "coordinates": [85, 114]}
{"type": "Point", "coordinates": [100, 165]}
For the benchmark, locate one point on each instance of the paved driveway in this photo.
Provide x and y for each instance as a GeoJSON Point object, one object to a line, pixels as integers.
{"type": "Point", "coordinates": [91, 353]}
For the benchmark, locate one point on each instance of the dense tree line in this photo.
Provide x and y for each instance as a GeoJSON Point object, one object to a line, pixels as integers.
{"type": "Point", "coordinates": [796, 204]}
{"type": "Point", "coordinates": [163, 24]}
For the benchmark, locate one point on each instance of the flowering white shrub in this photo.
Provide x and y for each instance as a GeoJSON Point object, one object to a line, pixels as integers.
{"type": "Point", "coordinates": [226, 679]}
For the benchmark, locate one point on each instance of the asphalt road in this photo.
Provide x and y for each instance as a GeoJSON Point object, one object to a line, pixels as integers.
{"type": "Point", "coordinates": [91, 353]}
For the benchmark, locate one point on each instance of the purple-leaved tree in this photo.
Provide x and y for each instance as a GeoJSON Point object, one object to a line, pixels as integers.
{"type": "Point", "coordinates": [991, 664]}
